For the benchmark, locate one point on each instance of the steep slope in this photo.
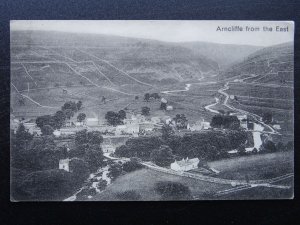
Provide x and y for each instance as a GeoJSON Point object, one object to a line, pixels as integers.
{"type": "Point", "coordinates": [144, 60]}
{"type": "Point", "coordinates": [223, 54]}
{"type": "Point", "coordinates": [272, 65]}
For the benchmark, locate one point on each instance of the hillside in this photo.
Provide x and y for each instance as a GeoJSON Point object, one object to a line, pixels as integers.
{"type": "Point", "coordinates": [269, 65]}
{"type": "Point", "coordinates": [124, 60]}
{"type": "Point", "coordinates": [224, 54]}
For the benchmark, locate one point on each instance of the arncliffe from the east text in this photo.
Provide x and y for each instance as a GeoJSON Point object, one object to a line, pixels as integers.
{"type": "Point", "coordinates": [253, 29]}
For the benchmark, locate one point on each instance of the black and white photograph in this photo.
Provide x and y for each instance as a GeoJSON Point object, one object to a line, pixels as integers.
{"type": "Point", "coordinates": [151, 110]}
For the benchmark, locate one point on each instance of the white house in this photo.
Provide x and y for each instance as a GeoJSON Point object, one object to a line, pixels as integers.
{"type": "Point", "coordinates": [169, 108]}
{"type": "Point", "coordinates": [146, 127]}
{"type": "Point", "coordinates": [57, 133]}
{"type": "Point", "coordinates": [64, 164]}
{"type": "Point", "coordinates": [108, 148]}
{"type": "Point", "coordinates": [132, 128]}
{"type": "Point", "coordinates": [163, 100]}
{"type": "Point", "coordinates": [92, 122]}
{"type": "Point", "coordinates": [155, 119]}
{"type": "Point", "coordinates": [185, 164]}
{"type": "Point", "coordinates": [277, 126]}
{"type": "Point", "coordinates": [205, 125]}
{"type": "Point", "coordinates": [120, 129]}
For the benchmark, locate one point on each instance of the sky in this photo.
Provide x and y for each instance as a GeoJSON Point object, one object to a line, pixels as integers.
{"type": "Point", "coordinates": [170, 30]}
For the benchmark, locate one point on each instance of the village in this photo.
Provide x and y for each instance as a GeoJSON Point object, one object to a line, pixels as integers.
{"type": "Point", "coordinates": [134, 125]}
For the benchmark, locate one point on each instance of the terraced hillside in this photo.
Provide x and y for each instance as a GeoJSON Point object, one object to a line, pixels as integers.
{"type": "Point", "coordinates": [119, 58]}
{"type": "Point", "coordinates": [273, 65]}
{"type": "Point", "coordinates": [264, 83]}
{"type": "Point", "coordinates": [49, 68]}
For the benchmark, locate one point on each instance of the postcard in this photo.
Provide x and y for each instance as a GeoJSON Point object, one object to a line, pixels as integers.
{"type": "Point", "coordinates": [151, 110]}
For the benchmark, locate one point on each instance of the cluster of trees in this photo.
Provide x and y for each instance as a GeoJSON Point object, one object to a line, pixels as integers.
{"type": "Point", "coordinates": [180, 121]}
{"type": "Point", "coordinates": [145, 111]}
{"type": "Point", "coordinates": [225, 121]}
{"type": "Point", "coordinates": [148, 96]}
{"type": "Point", "coordinates": [267, 117]}
{"type": "Point", "coordinates": [206, 146]}
{"type": "Point", "coordinates": [35, 173]}
{"type": "Point", "coordinates": [35, 164]}
{"type": "Point", "coordinates": [115, 118]}
{"type": "Point", "coordinates": [87, 147]}
{"type": "Point", "coordinates": [117, 168]}
{"type": "Point", "coordinates": [162, 156]}
{"type": "Point", "coordinates": [140, 147]}
{"type": "Point", "coordinates": [48, 123]}
{"type": "Point", "coordinates": [269, 147]}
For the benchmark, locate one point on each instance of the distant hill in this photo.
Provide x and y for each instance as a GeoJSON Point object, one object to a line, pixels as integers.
{"type": "Point", "coordinates": [273, 64]}
{"type": "Point", "coordinates": [223, 54]}
{"type": "Point", "coordinates": [149, 61]}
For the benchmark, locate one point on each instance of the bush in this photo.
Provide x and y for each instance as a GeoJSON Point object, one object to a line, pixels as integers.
{"type": "Point", "coordinates": [173, 190]}
{"type": "Point", "coordinates": [132, 165]}
{"type": "Point", "coordinates": [115, 170]}
{"type": "Point", "coordinates": [129, 195]}
{"type": "Point", "coordinates": [102, 185]}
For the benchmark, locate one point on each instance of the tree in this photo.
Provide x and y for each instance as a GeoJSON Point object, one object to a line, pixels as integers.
{"type": "Point", "coordinates": [147, 97]}
{"type": "Point", "coordinates": [139, 147]}
{"type": "Point", "coordinates": [69, 113]}
{"type": "Point", "coordinates": [47, 130]}
{"type": "Point", "coordinates": [113, 118]}
{"type": "Point", "coordinates": [79, 168]}
{"type": "Point", "coordinates": [23, 137]}
{"type": "Point", "coordinates": [81, 137]}
{"type": "Point", "coordinates": [115, 170]}
{"type": "Point", "coordinates": [59, 119]}
{"type": "Point", "coordinates": [268, 146]}
{"type": "Point", "coordinates": [70, 105]}
{"type": "Point", "coordinates": [155, 96]}
{"type": "Point", "coordinates": [102, 184]}
{"type": "Point", "coordinates": [122, 114]}
{"type": "Point", "coordinates": [79, 105]}
{"type": "Point", "coordinates": [145, 111]}
{"type": "Point", "coordinates": [241, 150]}
{"type": "Point", "coordinates": [44, 120]}
{"type": "Point", "coordinates": [94, 137]}
{"type": "Point", "coordinates": [181, 121]}
{"type": "Point", "coordinates": [167, 131]}
{"type": "Point", "coordinates": [162, 156]}
{"type": "Point", "coordinates": [132, 165]}
{"type": "Point", "coordinates": [163, 106]}
{"type": "Point", "coordinates": [267, 117]}
{"type": "Point", "coordinates": [81, 117]}
{"type": "Point", "coordinates": [94, 157]}
{"type": "Point", "coordinates": [136, 97]}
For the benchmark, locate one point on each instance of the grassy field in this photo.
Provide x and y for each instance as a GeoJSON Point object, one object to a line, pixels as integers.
{"type": "Point", "coordinates": [263, 192]}
{"type": "Point", "coordinates": [257, 167]}
{"type": "Point", "coordinates": [143, 182]}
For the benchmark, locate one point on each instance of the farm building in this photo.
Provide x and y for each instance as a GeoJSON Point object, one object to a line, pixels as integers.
{"type": "Point", "coordinates": [108, 148]}
{"type": "Point", "coordinates": [92, 122]}
{"type": "Point", "coordinates": [64, 164]}
{"type": "Point", "coordinates": [185, 164]}
{"type": "Point", "coordinates": [155, 119]}
{"type": "Point", "coordinates": [146, 127]}
{"type": "Point", "coordinates": [169, 108]}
